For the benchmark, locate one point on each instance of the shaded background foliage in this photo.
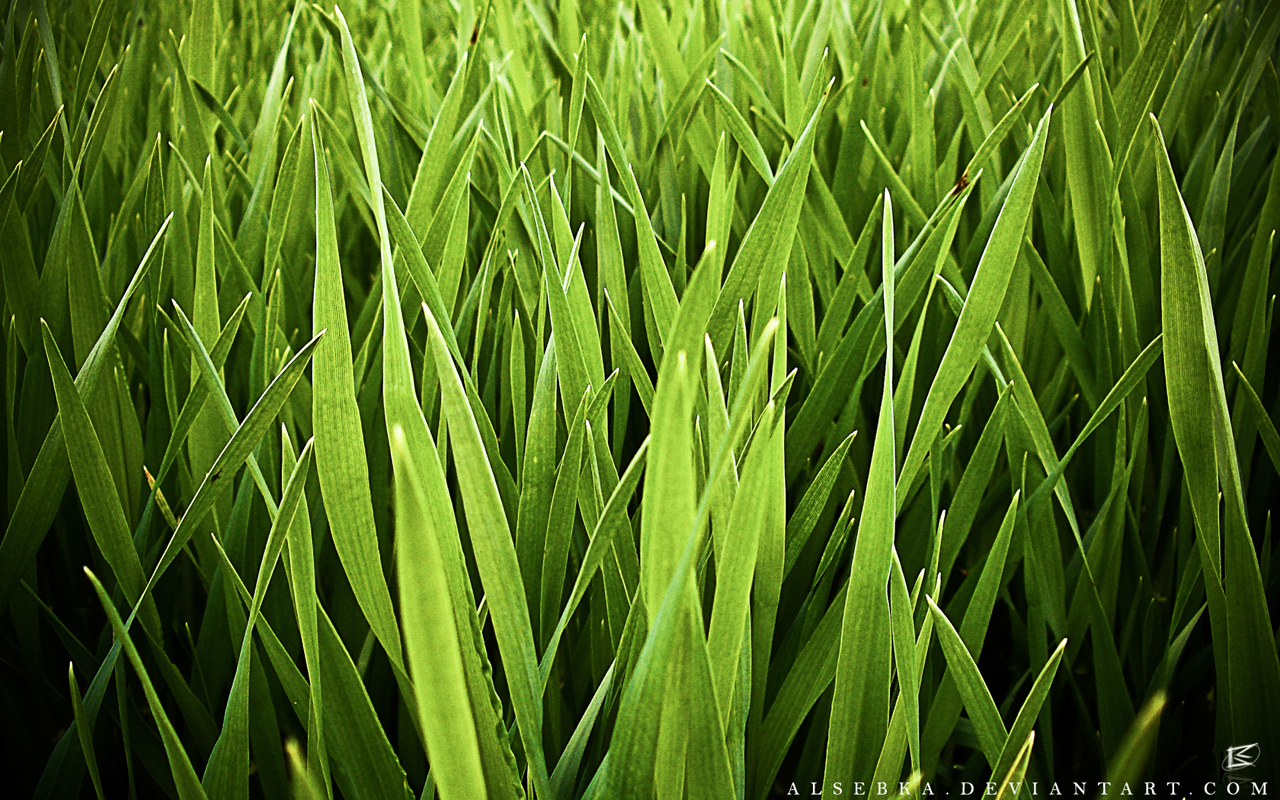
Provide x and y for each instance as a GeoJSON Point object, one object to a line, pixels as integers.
{"type": "Point", "coordinates": [513, 355]}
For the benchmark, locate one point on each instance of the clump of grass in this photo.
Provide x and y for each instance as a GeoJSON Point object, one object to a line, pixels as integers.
{"type": "Point", "coordinates": [591, 400]}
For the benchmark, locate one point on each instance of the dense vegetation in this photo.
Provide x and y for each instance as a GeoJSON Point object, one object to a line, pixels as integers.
{"type": "Point", "coordinates": [631, 400]}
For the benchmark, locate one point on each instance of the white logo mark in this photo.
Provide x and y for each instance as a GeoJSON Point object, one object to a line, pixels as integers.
{"type": "Point", "coordinates": [1241, 756]}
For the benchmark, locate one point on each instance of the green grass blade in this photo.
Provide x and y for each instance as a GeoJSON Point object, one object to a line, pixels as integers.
{"type": "Point", "coordinates": [184, 775]}
{"type": "Point", "coordinates": [735, 566]}
{"type": "Point", "coordinates": [983, 302]}
{"type": "Point", "coordinates": [431, 640]}
{"type": "Point", "coordinates": [42, 491]}
{"type": "Point", "coordinates": [241, 445]}
{"type": "Point", "coordinates": [95, 486]}
{"type": "Point", "coordinates": [1029, 713]}
{"type": "Point", "coordinates": [1202, 430]}
{"type": "Point", "coordinates": [495, 557]}
{"type": "Point", "coordinates": [341, 462]}
{"type": "Point", "coordinates": [85, 730]}
{"type": "Point", "coordinates": [764, 251]}
{"type": "Point", "coordinates": [977, 697]}
{"type": "Point", "coordinates": [860, 703]}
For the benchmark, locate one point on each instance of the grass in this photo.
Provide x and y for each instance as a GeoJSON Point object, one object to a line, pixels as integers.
{"type": "Point", "coordinates": [589, 400]}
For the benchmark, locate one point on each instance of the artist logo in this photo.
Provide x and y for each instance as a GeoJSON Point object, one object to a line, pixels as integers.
{"type": "Point", "coordinates": [1241, 757]}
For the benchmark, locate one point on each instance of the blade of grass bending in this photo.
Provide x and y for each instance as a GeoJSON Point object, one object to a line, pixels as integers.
{"type": "Point", "coordinates": [47, 480]}
{"type": "Point", "coordinates": [982, 304]}
{"type": "Point", "coordinates": [1202, 431]}
{"type": "Point", "coordinates": [495, 558]}
{"type": "Point", "coordinates": [741, 132]}
{"type": "Point", "coordinates": [1071, 80]}
{"type": "Point", "coordinates": [1029, 713]}
{"type": "Point", "coordinates": [914, 212]}
{"type": "Point", "coordinates": [242, 443]}
{"type": "Point", "coordinates": [85, 730]}
{"type": "Point", "coordinates": [992, 734]}
{"type": "Point", "coordinates": [95, 486]}
{"type": "Point", "coordinates": [341, 462]}
{"type": "Point", "coordinates": [220, 112]}
{"type": "Point", "coordinates": [860, 703]}
{"type": "Point", "coordinates": [423, 278]}
{"type": "Point", "coordinates": [184, 775]}
{"type": "Point", "coordinates": [1036, 427]}
{"type": "Point", "coordinates": [431, 639]}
